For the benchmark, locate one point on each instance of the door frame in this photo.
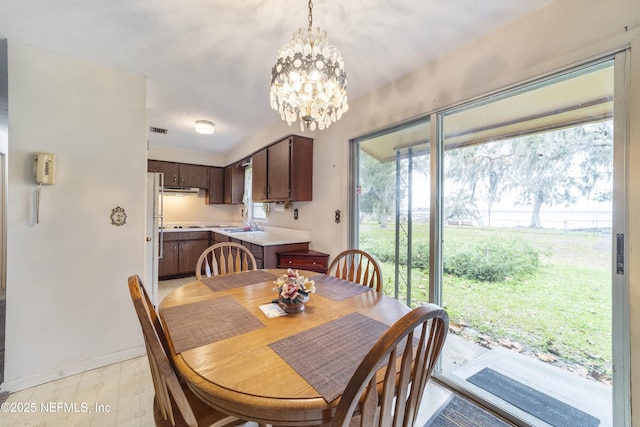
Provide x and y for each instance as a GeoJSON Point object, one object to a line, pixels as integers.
{"type": "Point", "coordinates": [620, 327]}
{"type": "Point", "coordinates": [621, 346]}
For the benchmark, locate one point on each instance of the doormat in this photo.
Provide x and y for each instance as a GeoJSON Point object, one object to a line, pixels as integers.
{"type": "Point", "coordinates": [534, 402]}
{"type": "Point", "coordinates": [460, 412]}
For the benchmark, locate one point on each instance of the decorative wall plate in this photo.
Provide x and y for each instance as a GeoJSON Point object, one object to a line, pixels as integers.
{"type": "Point", "coordinates": [118, 216]}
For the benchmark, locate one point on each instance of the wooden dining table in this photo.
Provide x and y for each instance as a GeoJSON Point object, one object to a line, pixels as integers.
{"type": "Point", "coordinates": [286, 370]}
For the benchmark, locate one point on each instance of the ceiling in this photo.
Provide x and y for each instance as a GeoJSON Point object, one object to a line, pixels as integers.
{"type": "Point", "coordinates": [211, 59]}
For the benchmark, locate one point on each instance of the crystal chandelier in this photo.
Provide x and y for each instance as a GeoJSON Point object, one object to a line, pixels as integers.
{"type": "Point", "coordinates": [308, 81]}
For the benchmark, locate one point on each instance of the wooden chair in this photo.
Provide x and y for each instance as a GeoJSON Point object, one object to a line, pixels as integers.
{"type": "Point", "coordinates": [397, 401]}
{"type": "Point", "coordinates": [225, 258]}
{"type": "Point", "coordinates": [170, 392]}
{"type": "Point", "coordinates": [357, 266]}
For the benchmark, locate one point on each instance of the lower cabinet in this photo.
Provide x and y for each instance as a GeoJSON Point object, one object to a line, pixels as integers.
{"type": "Point", "coordinates": [304, 260]}
{"type": "Point", "coordinates": [183, 248]}
{"type": "Point", "coordinates": [267, 256]}
{"type": "Point", "coordinates": [181, 251]}
{"type": "Point", "coordinates": [270, 253]}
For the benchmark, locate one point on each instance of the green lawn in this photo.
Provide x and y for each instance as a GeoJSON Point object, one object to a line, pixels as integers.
{"type": "Point", "coordinates": [562, 310]}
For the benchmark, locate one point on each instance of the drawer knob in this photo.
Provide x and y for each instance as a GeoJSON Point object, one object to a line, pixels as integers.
{"type": "Point", "coordinates": [289, 261]}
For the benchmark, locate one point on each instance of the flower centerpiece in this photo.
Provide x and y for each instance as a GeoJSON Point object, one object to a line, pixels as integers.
{"type": "Point", "coordinates": [293, 291]}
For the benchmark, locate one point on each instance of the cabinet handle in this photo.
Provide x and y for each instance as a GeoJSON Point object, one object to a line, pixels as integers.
{"type": "Point", "coordinates": [290, 261]}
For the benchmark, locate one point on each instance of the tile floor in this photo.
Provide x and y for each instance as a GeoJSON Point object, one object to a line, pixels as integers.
{"type": "Point", "coordinates": [117, 395]}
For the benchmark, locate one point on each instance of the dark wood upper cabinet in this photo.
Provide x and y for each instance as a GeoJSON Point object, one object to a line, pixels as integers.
{"type": "Point", "coordinates": [259, 176]}
{"type": "Point", "coordinates": [171, 171]}
{"type": "Point", "coordinates": [181, 174]}
{"type": "Point", "coordinates": [283, 171]}
{"type": "Point", "coordinates": [194, 176]}
{"type": "Point", "coordinates": [233, 184]}
{"type": "Point", "coordinates": [279, 170]}
{"type": "Point", "coordinates": [215, 194]}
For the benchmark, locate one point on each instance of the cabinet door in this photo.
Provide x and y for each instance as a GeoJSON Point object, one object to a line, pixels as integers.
{"type": "Point", "coordinates": [301, 178]}
{"type": "Point", "coordinates": [233, 185]}
{"type": "Point", "coordinates": [170, 170]}
{"type": "Point", "coordinates": [259, 176]}
{"type": "Point", "coordinates": [278, 170]}
{"type": "Point", "coordinates": [215, 194]}
{"type": "Point", "coordinates": [190, 251]}
{"type": "Point", "coordinates": [218, 238]}
{"type": "Point", "coordinates": [168, 264]}
{"type": "Point", "coordinates": [194, 176]}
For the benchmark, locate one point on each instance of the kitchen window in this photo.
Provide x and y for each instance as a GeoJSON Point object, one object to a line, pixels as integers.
{"type": "Point", "coordinates": [254, 211]}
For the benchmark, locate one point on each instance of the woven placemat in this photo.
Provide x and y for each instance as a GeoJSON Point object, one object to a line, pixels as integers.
{"type": "Point", "coordinates": [206, 322]}
{"type": "Point", "coordinates": [237, 280]}
{"type": "Point", "coordinates": [337, 289]}
{"type": "Point", "coordinates": [328, 355]}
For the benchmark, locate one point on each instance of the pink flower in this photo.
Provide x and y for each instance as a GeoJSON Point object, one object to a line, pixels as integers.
{"type": "Point", "coordinates": [294, 288]}
{"type": "Point", "coordinates": [289, 290]}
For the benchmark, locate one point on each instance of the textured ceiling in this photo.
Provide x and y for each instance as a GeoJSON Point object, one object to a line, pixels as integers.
{"type": "Point", "coordinates": [212, 59]}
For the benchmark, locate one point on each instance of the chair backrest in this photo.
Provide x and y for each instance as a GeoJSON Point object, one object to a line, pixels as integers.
{"type": "Point", "coordinates": [165, 381]}
{"type": "Point", "coordinates": [398, 401]}
{"type": "Point", "coordinates": [357, 266]}
{"type": "Point", "coordinates": [225, 258]}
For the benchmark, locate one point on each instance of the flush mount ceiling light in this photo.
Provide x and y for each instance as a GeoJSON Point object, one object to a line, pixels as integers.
{"type": "Point", "coordinates": [308, 81]}
{"type": "Point", "coordinates": [204, 127]}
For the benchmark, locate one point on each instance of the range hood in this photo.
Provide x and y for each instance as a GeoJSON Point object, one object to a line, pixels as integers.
{"type": "Point", "coordinates": [180, 190]}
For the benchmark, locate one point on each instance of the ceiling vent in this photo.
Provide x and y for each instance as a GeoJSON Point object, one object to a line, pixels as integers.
{"type": "Point", "coordinates": [158, 130]}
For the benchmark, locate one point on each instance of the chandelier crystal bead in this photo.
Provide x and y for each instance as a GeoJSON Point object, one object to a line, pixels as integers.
{"type": "Point", "coordinates": [308, 81]}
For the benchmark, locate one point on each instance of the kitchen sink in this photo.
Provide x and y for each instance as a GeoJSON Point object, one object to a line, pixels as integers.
{"type": "Point", "coordinates": [234, 230]}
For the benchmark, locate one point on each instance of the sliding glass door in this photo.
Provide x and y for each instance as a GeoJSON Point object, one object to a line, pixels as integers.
{"type": "Point", "coordinates": [502, 211]}
{"type": "Point", "coordinates": [392, 205]}
{"type": "Point", "coordinates": [526, 248]}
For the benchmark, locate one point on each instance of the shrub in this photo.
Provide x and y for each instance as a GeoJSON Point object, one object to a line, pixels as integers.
{"type": "Point", "coordinates": [384, 250]}
{"type": "Point", "coordinates": [491, 260]}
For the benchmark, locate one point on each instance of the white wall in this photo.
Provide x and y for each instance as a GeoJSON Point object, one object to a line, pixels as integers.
{"type": "Point", "coordinates": [68, 304]}
{"type": "Point", "coordinates": [563, 34]}
{"type": "Point", "coordinates": [185, 156]}
{"type": "Point", "coordinates": [193, 209]}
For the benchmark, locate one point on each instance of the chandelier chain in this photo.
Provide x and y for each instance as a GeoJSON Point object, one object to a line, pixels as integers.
{"type": "Point", "coordinates": [310, 15]}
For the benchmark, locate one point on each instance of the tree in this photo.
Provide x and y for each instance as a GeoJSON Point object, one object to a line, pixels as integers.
{"type": "Point", "coordinates": [558, 166]}
{"type": "Point", "coordinates": [481, 166]}
{"type": "Point", "coordinates": [378, 187]}
{"type": "Point", "coordinates": [542, 169]}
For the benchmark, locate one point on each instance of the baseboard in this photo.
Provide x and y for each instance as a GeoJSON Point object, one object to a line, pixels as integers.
{"type": "Point", "coordinates": [22, 383]}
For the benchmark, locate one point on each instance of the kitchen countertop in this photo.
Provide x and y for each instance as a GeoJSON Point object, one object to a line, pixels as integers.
{"type": "Point", "coordinates": [268, 236]}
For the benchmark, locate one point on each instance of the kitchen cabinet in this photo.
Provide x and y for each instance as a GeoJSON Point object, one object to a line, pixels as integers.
{"type": "Point", "coordinates": [283, 171]}
{"type": "Point", "coordinates": [170, 170]}
{"type": "Point", "coordinates": [259, 176]}
{"type": "Point", "coordinates": [304, 260]}
{"type": "Point", "coordinates": [269, 254]}
{"type": "Point", "coordinates": [181, 174]}
{"type": "Point", "coordinates": [218, 238]}
{"type": "Point", "coordinates": [181, 252]}
{"type": "Point", "coordinates": [233, 184]}
{"type": "Point", "coordinates": [215, 192]}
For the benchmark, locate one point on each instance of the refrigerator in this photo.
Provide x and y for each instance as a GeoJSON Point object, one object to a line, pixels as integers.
{"type": "Point", "coordinates": [154, 234]}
